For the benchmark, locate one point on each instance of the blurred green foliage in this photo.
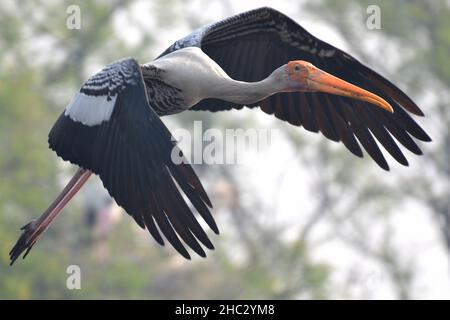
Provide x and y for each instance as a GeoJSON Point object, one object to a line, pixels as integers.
{"type": "Point", "coordinates": [420, 31]}
{"type": "Point", "coordinates": [42, 64]}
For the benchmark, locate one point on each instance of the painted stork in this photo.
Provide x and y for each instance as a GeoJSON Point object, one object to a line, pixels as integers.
{"type": "Point", "coordinates": [260, 58]}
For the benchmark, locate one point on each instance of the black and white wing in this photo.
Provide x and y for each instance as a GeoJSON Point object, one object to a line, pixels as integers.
{"type": "Point", "coordinates": [249, 46]}
{"type": "Point", "coordinates": [110, 129]}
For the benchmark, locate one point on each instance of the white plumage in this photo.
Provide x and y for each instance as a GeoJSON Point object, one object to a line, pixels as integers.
{"type": "Point", "coordinates": [90, 110]}
{"type": "Point", "coordinates": [200, 77]}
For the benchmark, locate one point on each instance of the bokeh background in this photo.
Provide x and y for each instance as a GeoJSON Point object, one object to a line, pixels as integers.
{"type": "Point", "coordinates": [303, 219]}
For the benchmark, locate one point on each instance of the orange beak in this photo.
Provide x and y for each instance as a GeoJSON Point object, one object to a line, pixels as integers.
{"type": "Point", "coordinates": [314, 79]}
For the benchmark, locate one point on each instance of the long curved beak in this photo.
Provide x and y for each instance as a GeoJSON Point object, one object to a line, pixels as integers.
{"type": "Point", "coordinates": [321, 81]}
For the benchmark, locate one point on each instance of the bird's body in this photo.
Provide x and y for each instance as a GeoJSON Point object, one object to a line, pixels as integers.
{"type": "Point", "coordinates": [202, 78]}
{"type": "Point", "coordinates": [256, 59]}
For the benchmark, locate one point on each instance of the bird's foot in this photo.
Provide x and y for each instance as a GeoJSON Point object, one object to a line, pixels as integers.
{"type": "Point", "coordinates": [26, 241]}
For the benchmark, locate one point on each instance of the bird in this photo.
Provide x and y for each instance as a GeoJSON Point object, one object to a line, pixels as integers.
{"type": "Point", "coordinates": [259, 59]}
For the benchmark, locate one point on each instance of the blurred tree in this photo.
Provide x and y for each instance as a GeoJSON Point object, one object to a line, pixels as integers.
{"type": "Point", "coordinates": [411, 48]}
{"type": "Point", "coordinates": [43, 63]}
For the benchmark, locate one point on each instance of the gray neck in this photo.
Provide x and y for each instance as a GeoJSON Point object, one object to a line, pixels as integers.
{"type": "Point", "coordinates": [245, 93]}
{"type": "Point", "coordinates": [199, 77]}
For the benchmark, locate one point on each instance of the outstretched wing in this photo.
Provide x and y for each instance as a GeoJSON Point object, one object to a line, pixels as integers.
{"type": "Point", "coordinates": [249, 46]}
{"type": "Point", "coordinates": [110, 129]}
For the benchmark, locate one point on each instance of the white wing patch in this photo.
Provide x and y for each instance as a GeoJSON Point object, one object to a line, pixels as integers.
{"type": "Point", "coordinates": [90, 110]}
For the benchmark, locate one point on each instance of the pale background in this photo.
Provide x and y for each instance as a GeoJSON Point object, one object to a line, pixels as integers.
{"type": "Point", "coordinates": [302, 219]}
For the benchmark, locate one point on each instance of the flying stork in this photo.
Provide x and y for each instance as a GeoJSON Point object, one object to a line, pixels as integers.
{"type": "Point", "coordinates": [260, 58]}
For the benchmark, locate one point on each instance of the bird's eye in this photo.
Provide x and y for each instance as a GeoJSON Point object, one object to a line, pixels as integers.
{"type": "Point", "coordinates": [297, 68]}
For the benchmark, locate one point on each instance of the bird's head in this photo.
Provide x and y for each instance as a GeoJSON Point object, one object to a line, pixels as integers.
{"type": "Point", "coordinates": [305, 77]}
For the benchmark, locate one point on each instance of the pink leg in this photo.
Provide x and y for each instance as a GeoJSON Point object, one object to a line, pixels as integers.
{"type": "Point", "coordinates": [35, 228]}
